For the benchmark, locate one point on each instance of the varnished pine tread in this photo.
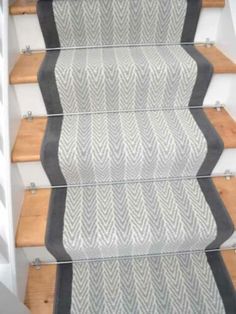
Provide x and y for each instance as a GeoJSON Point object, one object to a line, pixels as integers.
{"type": "Point", "coordinates": [20, 7]}
{"type": "Point", "coordinates": [29, 139]}
{"type": "Point", "coordinates": [26, 68]}
{"type": "Point", "coordinates": [41, 284]}
{"type": "Point", "coordinates": [224, 124]}
{"type": "Point", "coordinates": [23, 7]}
{"type": "Point", "coordinates": [31, 132]}
{"type": "Point", "coordinates": [32, 223]}
{"type": "Point", "coordinates": [33, 219]}
{"type": "Point", "coordinates": [40, 289]}
{"type": "Point", "coordinates": [221, 63]}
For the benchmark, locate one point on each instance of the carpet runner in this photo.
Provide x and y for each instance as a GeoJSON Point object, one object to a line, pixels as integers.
{"type": "Point", "coordinates": [128, 144]}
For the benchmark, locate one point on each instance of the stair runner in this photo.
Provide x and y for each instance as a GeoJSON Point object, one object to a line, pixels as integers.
{"type": "Point", "coordinates": [127, 144]}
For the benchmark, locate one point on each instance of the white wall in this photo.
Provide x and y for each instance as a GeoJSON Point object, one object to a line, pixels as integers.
{"type": "Point", "coordinates": [13, 262]}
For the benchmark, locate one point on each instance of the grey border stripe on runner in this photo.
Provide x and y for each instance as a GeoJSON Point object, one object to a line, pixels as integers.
{"type": "Point", "coordinates": [191, 20]}
{"type": "Point", "coordinates": [47, 83]}
{"type": "Point", "coordinates": [223, 281]}
{"type": "Point", "coordinates": [47, 23]}
{"type": "Point", "coordinates": [225, 227]}
{"type": "Point", "coordinates": [54, 231]}
{"type": "Point", "coordinates": [63, 291]}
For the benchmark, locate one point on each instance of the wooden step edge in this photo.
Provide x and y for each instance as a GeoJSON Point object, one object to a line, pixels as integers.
{"type": "Point", "coordinates": [31, 132]}
{"type": "Point", "coordinates": [29, 140]}
{"type": "Point", "coordinates": [20, 7]}
{"type": "Point", "coordinates": [33, 219]}
{"type": "Point", "coordinates": [213, 3]}
{"type": "Point", "coordinates": [40, 290]}
{"type": "Point", "coordinates": [41, 284]}
{"type": "Point", "coordinates": [26, 68]}
{"type": "Point", "coordinates": [32, 224]}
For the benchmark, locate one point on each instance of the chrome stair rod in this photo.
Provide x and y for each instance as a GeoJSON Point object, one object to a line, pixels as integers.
{"type": "Point", "coordinates": [207, 43]}
{"type": "Point", "coordinates": [227, 175]}
{"type": "Point", "coordinates": [30, 115]}
{"type": "Point", "coordinates": [37, 262]}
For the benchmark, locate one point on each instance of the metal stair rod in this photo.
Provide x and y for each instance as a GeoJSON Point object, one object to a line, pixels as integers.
{"type": "Point", "coordinates": [206, 43]}
{"type": "Point", "coordinates": [227, 175]}
{"type": "Point", "coordinates": [38, 263]}
{"type": "Point", "coordinates": [29, 115]}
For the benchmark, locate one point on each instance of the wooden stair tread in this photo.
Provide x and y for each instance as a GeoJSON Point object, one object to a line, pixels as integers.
{"type": "Point", "coordinates": [229, 258]}
{"type": "Point", "coordinates": [33, 219]}
{"type": "Point", "coordinates": [213, 3]}
{"type": "Point", "coordinates": [26, 68]}
{"type": "Point", "coordinates": [29, 6]}
{"type": "Point", "coordinates": [221, 63]}
{"type": "Point", "coordinates": [224, 125]}
{"type": "Point", "coordinates": [41, 284]}
{"type": "Point", "coordinates": [23, 7]}
{"type": "Point", "coordinates": [29, 139]}
{"type": "Point", "coordinates": [31, 132]}
{"type": "Point", "coordinates": [32, 223]}
{"type": "Point", "coordinates": [40, 289]}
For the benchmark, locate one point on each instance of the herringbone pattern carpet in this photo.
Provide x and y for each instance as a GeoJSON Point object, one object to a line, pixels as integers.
{"type": "Point", "coordinates": [173, 284]}
{"type": "Point", "coordinates": [128, 146]}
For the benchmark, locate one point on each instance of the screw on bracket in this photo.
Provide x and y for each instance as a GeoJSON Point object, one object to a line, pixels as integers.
{"type": "Point", "coordinates": [29, 116]}
{"type": "Point", "coordinates": [33, 188]}
{"type": "Point", "coordinates": [218, 106]}
{"type": "Point", "coordinates": [228, 174]}
{"type": "Point", "coordinates": [37, 263]}
{"type": "Point", "coordinates": [208, 43]}
{"type": "Point", "coordinates": [27, 50]}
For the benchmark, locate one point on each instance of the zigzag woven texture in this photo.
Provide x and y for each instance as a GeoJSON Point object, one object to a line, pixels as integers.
{"type": "Point", "coordinates": [105, 22]}
{"type": "Point", "coordinates": [173, 284]}
{"type": "Point", "coordinates": [129, 143]}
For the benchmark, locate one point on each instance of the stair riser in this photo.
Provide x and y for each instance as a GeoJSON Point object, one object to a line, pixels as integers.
{"type": "Point", "coordinates": [30, 98]}
{"type": "Point", "coordinates": [29, 32]}
{"type": "Point", "coordinates": [34, 172]}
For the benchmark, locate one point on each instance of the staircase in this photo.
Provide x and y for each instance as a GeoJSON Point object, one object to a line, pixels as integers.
{"type": "Point", "coordinates": [32, 234]}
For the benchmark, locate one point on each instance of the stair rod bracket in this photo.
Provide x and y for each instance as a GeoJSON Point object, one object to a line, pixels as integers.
{"type": "Point", "coordinates": [209, 43]}
{"type": "Point", "coordinates": [228, 175]}
{"type": "Point", "coordinates": [33, 188]}
{"type": "Point", "coordinates": [37, 263]}
{"type": "Point", "coordinates": [218, 106]}
{"type": "Point", "coordinates": [27, 50]}
{"type": "Point", "coordinates": [28, 116]}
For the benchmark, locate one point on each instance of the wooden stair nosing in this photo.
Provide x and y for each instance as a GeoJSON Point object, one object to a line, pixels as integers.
{"type": "Point", "coordinates": [41, 284]}
{"type": "Point", "coordinates": [31, 132]}
{"type": "Point", "coordinates": [20, 7]}
{"type": "Point", "coordinates": [26, 68]}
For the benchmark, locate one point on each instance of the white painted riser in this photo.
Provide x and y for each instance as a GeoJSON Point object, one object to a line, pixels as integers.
{"type": "Point", "coordinates": [221, 89]}
{"type": "Point", "coordinates": [34, 172]}
{"type": "Point", "coordinates": [29, 33]}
